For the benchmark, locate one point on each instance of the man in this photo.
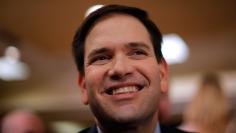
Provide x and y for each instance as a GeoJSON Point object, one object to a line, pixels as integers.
{"type": "Point", "coordinates": [22, 121]}
{"type": "Point", "coordinates": [122, 72]}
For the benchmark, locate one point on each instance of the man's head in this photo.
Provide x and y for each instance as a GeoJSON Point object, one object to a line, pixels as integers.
{"type": "Point", "coordinates": [22, 121]}
{"type": "Point", "coordinates": [122, 70]}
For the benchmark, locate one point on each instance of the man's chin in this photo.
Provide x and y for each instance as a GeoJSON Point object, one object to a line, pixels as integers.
{"type": "Point", "coordinates": [125, 119]}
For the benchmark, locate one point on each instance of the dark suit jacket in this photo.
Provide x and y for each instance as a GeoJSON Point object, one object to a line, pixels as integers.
{"type": "Point", "coordinates": [164, 129]}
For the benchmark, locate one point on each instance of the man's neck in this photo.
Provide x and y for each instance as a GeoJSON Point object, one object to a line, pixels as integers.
{"type": "Point", "coordinates": [147, 126]}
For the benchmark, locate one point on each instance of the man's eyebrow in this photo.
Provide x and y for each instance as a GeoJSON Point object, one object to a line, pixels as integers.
{"type": "Point", "coordinates": [97, 51]}
{"type": "Point", "coordinates": [137, 45]}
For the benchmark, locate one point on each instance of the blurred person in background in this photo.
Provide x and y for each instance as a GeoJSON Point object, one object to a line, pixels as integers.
{"type": "Point", "coordinates": [231, 128]}
{"type": "Point", "coordinates": [22, 121]}
{"type": "Point", "coordinates": [208, 112]}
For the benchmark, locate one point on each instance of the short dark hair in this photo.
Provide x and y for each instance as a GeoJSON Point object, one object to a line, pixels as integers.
{"type": "Point", "coordinates": [89, 22]}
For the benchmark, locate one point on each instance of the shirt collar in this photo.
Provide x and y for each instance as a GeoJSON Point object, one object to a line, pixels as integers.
{"type": "Point", "coordinates": [157, 129]}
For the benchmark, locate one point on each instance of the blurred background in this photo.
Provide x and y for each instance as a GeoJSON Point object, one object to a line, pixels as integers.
{"type": "Point", "coordinates": [36, 36]}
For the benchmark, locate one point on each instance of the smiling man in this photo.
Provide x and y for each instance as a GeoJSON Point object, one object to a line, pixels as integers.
{"type": "Point", "coordinates": [122, 72]}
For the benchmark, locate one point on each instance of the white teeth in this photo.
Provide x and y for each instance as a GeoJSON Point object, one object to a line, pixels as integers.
{"type": "Point", "coordinates": [128, 89]}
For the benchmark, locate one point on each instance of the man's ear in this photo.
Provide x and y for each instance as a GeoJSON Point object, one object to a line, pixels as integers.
{"type": "Point", "coordinates": [164, 76]}
{"type": "Point", "coordinates": [82, 86]}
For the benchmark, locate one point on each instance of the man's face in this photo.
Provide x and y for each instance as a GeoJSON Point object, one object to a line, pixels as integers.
{"type": "Point", "coordinates": [122, 80]}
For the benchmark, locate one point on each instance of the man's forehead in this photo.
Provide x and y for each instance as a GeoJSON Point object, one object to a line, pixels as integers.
{"type": "Point", "coordinates": [130, 45]}
{"type": "Point", "coordinates": [117, 30]}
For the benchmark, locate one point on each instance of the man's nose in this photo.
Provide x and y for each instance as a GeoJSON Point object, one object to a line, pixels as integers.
{"type": "Point", "coordinates": [120, 67]}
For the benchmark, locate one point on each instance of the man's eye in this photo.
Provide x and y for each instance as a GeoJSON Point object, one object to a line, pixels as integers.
{"type": "Point", "coordinates": [99, 60]}
{"type": "Point", "coordinates": [138, 54]}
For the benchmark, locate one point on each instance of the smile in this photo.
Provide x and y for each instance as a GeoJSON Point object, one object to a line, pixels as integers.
{"type": "Point", "coordinates": [123, 90]}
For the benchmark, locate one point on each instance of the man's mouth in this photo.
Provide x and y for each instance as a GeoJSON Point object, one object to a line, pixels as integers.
{"type": "Point", "coordinates": [123, 90]}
